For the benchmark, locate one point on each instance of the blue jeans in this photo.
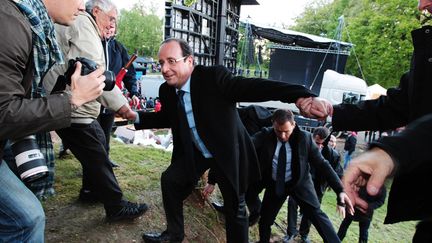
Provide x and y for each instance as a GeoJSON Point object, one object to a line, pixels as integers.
{"type": "Point", "coordinates": [22, 218]}
{"type": "Point", "coordinates": [347, 159]}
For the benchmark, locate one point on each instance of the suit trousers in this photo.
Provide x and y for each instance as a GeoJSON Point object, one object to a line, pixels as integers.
{"type": "Point", "coordinates": [423, 232]}
{"type": "Point", "coordinates": [176, 187]}
{"type": "Point", "coordinates": [106, 121]}
{"type": "Point", "coordinates": [87, 143]}
{"type": "Point", "coordinates": [305, 223]}
{"type": "Point", "coordinates": [270, 208]}
{"type": "Point", "coordinates": [363, 228]}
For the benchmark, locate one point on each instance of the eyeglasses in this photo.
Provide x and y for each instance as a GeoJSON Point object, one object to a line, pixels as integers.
{"type": "Point", "coordinates": [172, 61]}
{"type": "Point", "coordinates": [110, 18]}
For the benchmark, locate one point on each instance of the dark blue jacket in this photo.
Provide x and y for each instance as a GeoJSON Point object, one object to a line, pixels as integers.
{"type": "Point", "coordinates": [116, 57]}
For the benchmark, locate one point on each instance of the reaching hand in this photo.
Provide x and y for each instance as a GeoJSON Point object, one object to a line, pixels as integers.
{"type": "Point", "coordinates": [135, 101]}
{"type": "Point", "coordinates": [207, 191]}
{"type": "Point", "coordinates": [370, 169]}
{"type": "Point", "coordinates": [304, 105]}
{"type": "Point", "coordinates": [127, 113]}
{"type": "Point", "coordinates": [341, 211]}
{"type": "Point", "coordinates": [345, 204]}
{"type": "Point", "coordinates": [314, 107]}
{"type": "Point", "coordinates": [86, 88]}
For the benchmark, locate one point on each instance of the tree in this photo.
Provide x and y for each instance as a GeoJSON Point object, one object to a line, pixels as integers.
{"type": "Point", "coordinates": [141, 30]}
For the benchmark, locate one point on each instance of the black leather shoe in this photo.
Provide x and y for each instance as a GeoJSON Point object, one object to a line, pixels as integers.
{"type": "Point", "coordinates": [126, 210]}
{"type": "Point", "coordinates": [163, 237]}
{"type": "Point", "coordinates": [219, 207]}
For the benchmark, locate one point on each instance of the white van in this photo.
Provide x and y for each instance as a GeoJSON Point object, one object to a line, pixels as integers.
{"type": "Point", "coordinates": [342, 88]}
{"type": "Point", "coordinates": [335, 87]}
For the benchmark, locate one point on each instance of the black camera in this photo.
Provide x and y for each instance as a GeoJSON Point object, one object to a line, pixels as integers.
{"type": "Point", "coordinates": [29, 159]}
{"type": "Point", "coordinates": [88, 66]}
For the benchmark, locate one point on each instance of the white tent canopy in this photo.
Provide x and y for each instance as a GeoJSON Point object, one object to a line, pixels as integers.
{"type": "Point", "coordinates": [375, 91]}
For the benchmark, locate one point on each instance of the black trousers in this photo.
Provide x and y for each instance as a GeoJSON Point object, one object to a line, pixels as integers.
{"type": "Point", "coordinates": [176, 187]}
{"type": "Point", "coordinates": [363, 228]}
{"type": "Point", "coordinates": [106, 121]}
{"type": "Point", "coordinates": [305, 223]}
{"type": "Point", "coordinates": [423, 232]}
{"type": "Point", "coordinates": [270, 208]}
{"type": "Point", "coordinates": [87, 143]}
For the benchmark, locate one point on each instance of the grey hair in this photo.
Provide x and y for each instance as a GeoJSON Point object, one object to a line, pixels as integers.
{"type": "Point", "coordinates": [104, 5]}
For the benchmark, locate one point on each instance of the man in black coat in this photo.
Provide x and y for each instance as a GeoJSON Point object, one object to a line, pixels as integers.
{"type": "Point", "coordinates": [321, 136]}
{"type": "Point", "coordinates": [288, 173]}
{"type": "Point", "coordinates": [199, 104]}
{"type": "Point", "coordinates": [402, 105]}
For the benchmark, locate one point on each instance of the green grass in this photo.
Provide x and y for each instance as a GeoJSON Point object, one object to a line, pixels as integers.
{"type": "Point", "coordinates": [139, 177]}
{"type": "Point", "coordinates": [378, 232]}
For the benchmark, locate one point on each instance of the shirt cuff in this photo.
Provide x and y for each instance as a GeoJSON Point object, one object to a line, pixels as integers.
{"type": "Point", "coordinates": [137, 120]}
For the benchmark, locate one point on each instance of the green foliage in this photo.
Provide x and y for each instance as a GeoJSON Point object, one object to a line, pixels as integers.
{"type": "Point", "coordinates": [189, 2]}
{"type": "Point", "coordinates": [378, 232]}
{"type": "Point", "coordinates": [379, 29]}
{"type": "Point", "coordinates": [141, 30]}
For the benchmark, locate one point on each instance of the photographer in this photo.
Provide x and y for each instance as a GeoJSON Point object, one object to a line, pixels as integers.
{"type": "Point", "coordinates": [85, 137]}
{"type": "Point", "coordinates": [27, 49]}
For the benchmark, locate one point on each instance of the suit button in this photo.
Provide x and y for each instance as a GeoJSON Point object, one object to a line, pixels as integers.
{"type": "Point", "coordinates": [430, 59]}
{"type": "Point", "coordinates": [427, 31]}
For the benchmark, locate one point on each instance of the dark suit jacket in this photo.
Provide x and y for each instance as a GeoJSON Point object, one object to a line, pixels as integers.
{"type": "Point", "coordinates": [20, 116]}
{"type": "Point", "coordinates": [304, 151]}
{"type": "Point", "coordinates": [214, 94]}
{"type": "Point", "coordinates": [118, 57]}
{"type": "Point", "coordinates": [402, 105]}
{"type": "Point", "coordinates": [333, 157]}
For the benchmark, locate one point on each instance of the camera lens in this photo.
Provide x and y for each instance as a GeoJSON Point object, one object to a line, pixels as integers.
{"type": "Point", "coordinates": [110, 80]}
{"type": "Point", "coordinates": [29, 159]}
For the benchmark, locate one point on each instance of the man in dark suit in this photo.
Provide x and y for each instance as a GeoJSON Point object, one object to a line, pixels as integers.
{"type": "Point", "coordinates": [199, 104]}
{"type": "Point", "coordinates": [284, 152]}
{"type": "Point", "coordinates": [321, 136]}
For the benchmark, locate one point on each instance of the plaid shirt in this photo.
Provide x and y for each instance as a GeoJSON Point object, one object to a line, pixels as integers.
{"type": "Point", "coordinates": [46, 52]}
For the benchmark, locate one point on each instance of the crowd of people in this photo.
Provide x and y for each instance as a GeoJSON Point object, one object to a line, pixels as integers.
{"type": "Point", "coordinates": [199, 105]}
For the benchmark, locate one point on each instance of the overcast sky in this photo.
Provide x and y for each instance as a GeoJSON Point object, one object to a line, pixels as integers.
{"type": "Point", "coordinates": [281, 11]}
